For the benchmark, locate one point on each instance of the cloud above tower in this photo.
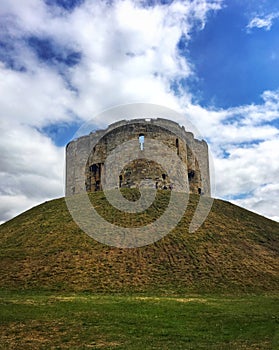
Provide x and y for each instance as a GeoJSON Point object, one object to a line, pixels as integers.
{"type": "Point", "coordinates": [62, 62]}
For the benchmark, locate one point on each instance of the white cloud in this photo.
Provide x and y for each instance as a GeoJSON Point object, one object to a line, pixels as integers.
{"type": "Point", "coordinates": [245, 146]}
{"type": "Point", "coordinates": [247, 169]}
{"type": "Point", "coordinates": [242, 124]}
{"type": "Point", "coordinates": [128, 53]}
{"type": "Point", "coordinates": [264, 200]}
{"type": "Point", "coordinates": [264, 22]}
{"type": "Point", "coordinates": [124, 47]}
{"type": "Point", "coordinates": [10, 205]}
{"type": "Point", "coordinates": [36, 97]}
{"type": "Point", "coordinates": [31, 169]}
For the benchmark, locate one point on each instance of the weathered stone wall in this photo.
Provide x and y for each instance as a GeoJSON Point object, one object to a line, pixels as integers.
{"type": "Point", "coordinates": [86, 158]}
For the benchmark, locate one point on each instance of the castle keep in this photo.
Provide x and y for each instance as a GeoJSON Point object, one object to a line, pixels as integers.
{"type": "Point", "coordinates": [86, 165]}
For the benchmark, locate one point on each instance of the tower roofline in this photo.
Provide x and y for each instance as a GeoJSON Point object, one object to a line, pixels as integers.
{"type": "Point", "coordinates": [162, 122]}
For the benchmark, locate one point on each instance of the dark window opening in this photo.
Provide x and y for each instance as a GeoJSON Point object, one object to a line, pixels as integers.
{"type": "Point", "coordinates": [177, 145]}
{"type": "Point", "coordinates": [94, 177]}
{"type": "Point", "coordinates": [191, 175]}
{"type": "Point", "coordinates": [94, 168]}
{"type": "Point", "coordinates": [97, 185]}
{"type": "Point", "coordinates": [199, 190]}
{"type": "Point", "coordinates": [164, 176]}
{"type": "Point", "coordinates": [120, 180]}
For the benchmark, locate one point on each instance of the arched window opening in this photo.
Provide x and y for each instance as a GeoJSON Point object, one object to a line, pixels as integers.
{"type": "Point", "coordinates": [141, 141]}
{"type": "Point", "coordinates": [164, 176]}
{"type": "Point", "coordinates": [94, 169]}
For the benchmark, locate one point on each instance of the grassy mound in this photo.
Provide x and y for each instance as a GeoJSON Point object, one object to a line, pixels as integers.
{"type": "Point", "coordinates": [233, 251]}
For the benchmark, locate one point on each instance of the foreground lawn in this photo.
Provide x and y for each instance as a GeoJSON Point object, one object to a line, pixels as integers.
{"type": "Point", "coordinates": [30, 320]}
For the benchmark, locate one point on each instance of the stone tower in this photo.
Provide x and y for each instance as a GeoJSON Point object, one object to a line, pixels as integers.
{"type": "Point", "coordinates": [86, 156]}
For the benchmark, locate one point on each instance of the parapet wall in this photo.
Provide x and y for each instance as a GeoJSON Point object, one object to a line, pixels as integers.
{"type": "Point", "coordinates": [86, 158]}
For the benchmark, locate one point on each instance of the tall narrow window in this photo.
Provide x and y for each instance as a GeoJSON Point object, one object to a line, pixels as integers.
{"type": "Point", "coordinates": [141, 141]}
{"type": "Point", "coordinates": [120, 180]}
{"type": "Point", "coordinates": [177, 145]}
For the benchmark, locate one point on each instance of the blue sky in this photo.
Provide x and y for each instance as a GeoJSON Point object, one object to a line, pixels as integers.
{"type": "Point", "coordinates": [234, 65]}
{"type": "Point", "coordinates": [64, 61]}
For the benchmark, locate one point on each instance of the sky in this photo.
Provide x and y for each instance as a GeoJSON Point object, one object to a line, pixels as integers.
{"type": "Point", "coordinates": [215, 61]}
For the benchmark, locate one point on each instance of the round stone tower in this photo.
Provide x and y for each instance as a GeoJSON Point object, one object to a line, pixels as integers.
{"type": "Point", "coordinates": [138, 153]}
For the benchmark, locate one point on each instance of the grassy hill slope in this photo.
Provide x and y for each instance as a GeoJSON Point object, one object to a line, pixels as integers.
{"type": "Point", "coordinates": [234, 251]}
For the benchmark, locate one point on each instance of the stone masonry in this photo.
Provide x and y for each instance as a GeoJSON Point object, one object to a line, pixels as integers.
{"type": "Point", "coordinates": [86, 166]}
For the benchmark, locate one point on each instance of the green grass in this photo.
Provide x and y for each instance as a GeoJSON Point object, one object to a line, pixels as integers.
{"type": "Point", "coordinates": [233, 251]}
{"type": "Point", "coordinates": [30, 320]}
{"type": "Point", "coordinates": [216, 288]}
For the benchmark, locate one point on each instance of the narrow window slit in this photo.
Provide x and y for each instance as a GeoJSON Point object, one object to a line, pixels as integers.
{"type": "Point", "coordinates": [141, 141]}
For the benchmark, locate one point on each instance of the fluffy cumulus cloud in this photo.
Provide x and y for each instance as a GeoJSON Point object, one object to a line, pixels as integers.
{"type": "Point", "coordinates": [61, 62]}
{"type": "Point", "coordinates": [244, 142]}
{"type": "Point", "coordinates": [263, 200]}
{"type": "Point", "coordinates": [97, 55]}
{"type": "Point", "coordinates": [31, 168]}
